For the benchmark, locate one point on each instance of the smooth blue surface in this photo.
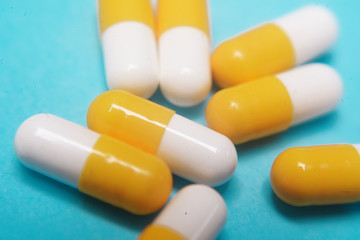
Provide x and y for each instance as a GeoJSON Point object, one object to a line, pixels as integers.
{"type": "Point", "coordinates": [50, 61]}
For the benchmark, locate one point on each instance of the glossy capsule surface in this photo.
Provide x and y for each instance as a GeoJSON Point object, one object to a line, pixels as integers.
{"type": "Point", "coordinates": [272, 104]}
{"type": "Point", "coordinates": [184, 50]}
{"type": "Point", "coordinates": [274, 46]}
{"type": "Point", "coordinates": [196, 212]}
{"type": "Point", "coordinates": [97, 165]}
{"type": "Point", "coordinates": [191, 150]}
{"type": "Point", "coordinates": [317, 175]}
{"type": "Point", "coordinates": [127, 31]}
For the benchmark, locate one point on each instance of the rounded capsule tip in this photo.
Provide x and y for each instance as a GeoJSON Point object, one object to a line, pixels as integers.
{"type": "Point", "coordinates": [137, 82]}
{"type": "Point", "coordinates": [317, 175]}
{"type": "Point", "coordinates": [228, 159]}
{"type": "Point", "coordinates": [284, 178]}
{"type": "Point", "coordinates": [221, 116]}
{"type": "Point", "coordinates": [23, 134]}
{"type": "Point", "coordinates": [223, 60]}
{"type": "Point", "coordinates": [186, 90]}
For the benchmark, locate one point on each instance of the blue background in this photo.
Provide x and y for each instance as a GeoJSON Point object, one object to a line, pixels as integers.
{"type": "Point", "coordinates": [50, 61]}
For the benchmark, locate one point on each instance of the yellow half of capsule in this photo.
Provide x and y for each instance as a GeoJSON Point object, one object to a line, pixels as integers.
{"type": "Point", "coordinates": [115, 11]}
{"type": "Point", "coordinates": [129, 118]}
{"type": "Point", "coordinates": [317, 175]}
{"type": "Point", "coordinates": [250, 111]}
{"type": "Point", "coordinates": [158, 232]}
{"type": "Point", "coordinates": [262, 51]}
{"type": "Point", "coordinates": [175, 13]}
{"type": "Point", "coordinates": [126, 177]}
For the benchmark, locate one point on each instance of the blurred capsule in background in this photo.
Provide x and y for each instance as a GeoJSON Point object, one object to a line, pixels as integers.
{"type": "Point", "coordinates": [129, 45]}
{"type": "Point", "coordinates": [97, 165]}
{"type": "Point", "coordinates": [272, 104]}
{"type": "Point", "coordinates": [274, 46]}
{"type": "Point", "coordinates": [191, 150]}
{"type": "Point", "coordinates": [184, 51]}
{"type": "Point", "coordinates": [196, 212]}
{"type": "Point", "coordinates": [317, 175]}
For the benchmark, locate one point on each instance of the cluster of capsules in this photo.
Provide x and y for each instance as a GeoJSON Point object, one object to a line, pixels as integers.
{"type": "Point", "coordinates": [131, 146]}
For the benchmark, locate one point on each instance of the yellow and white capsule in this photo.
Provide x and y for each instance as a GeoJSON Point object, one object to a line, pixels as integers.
{"type": "Point", "coordinates": [274, 46]}
{"type": "Point", "coordinates": [196, 212]}
{"type": "Point", "coordinates": [97, 165]}
{"type": "Point", "coordinates": [191, 150]}
{"type": "Point", "coordinates": [129, 45]}
{"type": "Point", "coordinates": [184, 51]}
{"type": "Point", "coordinates": [272, 104]}
{"type": "Point", "coordinates": [317, 175]}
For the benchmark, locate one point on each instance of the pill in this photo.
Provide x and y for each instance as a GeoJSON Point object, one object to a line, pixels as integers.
{"type": "Point", "coordinates": [274, 46]}
{"type": "Point", "coordinates": [317, 175]}
{"type": "Point", "coordinates": [184, 51]}
{"type": "Point", "coordinates": [97, 165]}
{"type": "Point", "coordinates": [272, 104]}
{"type": "Point", "coordinates": [127, 31]}
{"type": "Point", "coordinates": [196, 212]}
{"type": "Point", "coordinates": [190, 149]}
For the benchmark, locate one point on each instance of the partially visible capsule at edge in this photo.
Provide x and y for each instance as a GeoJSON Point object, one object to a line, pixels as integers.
{"type": "Point", "coordinates": [127, 31]}
{"type": "Point", "coordinates": [191, 150]}
{"type": "Point", "coordinates": [97, 165]}
{"type": "Point", "coordinates": [272, 104]}
{"type": "Point", "coordinates": [184, 51]}
{"type": "Point", "coordinates": [317, 175]}
{"type": "Point", "coordinates": [196, 212]}
{"type": "Point", "coordinates": [274, 46]}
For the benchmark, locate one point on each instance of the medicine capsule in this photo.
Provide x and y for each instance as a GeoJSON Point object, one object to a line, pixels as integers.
{"type": "Point", "coordinates": [97, 165]}
{"type": "Point", "coordinates": [129, 45]}
{"type": "Point", "coordinates": [317, 175]}
{"type": "Point", "coordinates": [196, 212]}
{"type": "Point", "coordinates": [274, 46]}
{"type": "Point", "coordinates": [191, 150]}
{"type": "Point", "coordinates": [184, 51]}
{"type": "Point", "coordinates": [272, 104]}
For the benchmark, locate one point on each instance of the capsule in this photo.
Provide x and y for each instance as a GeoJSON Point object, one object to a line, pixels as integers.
{"type": "Point", "coordinates": [184, 51]}
{"type": "Point", "coordinates": [191, 150]}
{"type": "Point", "coordinates": [97, 165]}
{"type": "Point", "coordinates": [274, 46]}
{"type": "Point", "coordinates": [127, 30]}
{"type": "Point", "coordinates": [272, 104]}
{"type": "Point", "coordinates": [196, 212]}
{"type": "Point", "coordinates": [317, 175]}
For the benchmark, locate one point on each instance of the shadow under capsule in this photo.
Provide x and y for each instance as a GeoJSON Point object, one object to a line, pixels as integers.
{"type": "Point", "coordinates": [194, 112]}
{"type": "Point", "coordinates": [57, 190]}
{"type": "Point", "coordinates": [180, 182]}
{"type": "Point", "coordinates": [326, 58]}
{"type": "Point", "coordinates": [300, 131]}
{"type": "Point", "coordinates": [307, 212]}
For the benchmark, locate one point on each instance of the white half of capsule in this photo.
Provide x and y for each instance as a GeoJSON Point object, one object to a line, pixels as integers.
{"type": "Point", "coordinates": [196, 152]}
{"type": "Point", "coordinates": [54, 147]}
{"type": "Point", "coordinates": [184, 60]}
{"type": "Point", "coordinates": [314, 89]}
{"type": "Point", "coordinates": [197, 212]}
{"type": "Point", "coordinates": [312, 30]}
{"type": "Point", "coordinates": [130, 58]}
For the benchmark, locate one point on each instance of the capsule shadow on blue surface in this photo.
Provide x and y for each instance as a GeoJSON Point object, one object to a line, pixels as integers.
{"type": "Point", "coordinates": [316, 125]}
{"type": "Point", "coordinates": [82, 202]}
{"type": "Point", "coordinates": [300, 131]}
{"type": "Point", "coordinates": [179, 182]}
{"type": "Point", "coordinates": [307, 212]}
{"type": "Point", "coordinates": [116, 215]}
{"type": "Point", "coordinates": [194, 112]}
{"type": "Point", "coordinates": [229, 187]}
{"type": "Point", "coordinates": [325, 58]}
{"type": "Point", "coordinates": [258, 143]}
